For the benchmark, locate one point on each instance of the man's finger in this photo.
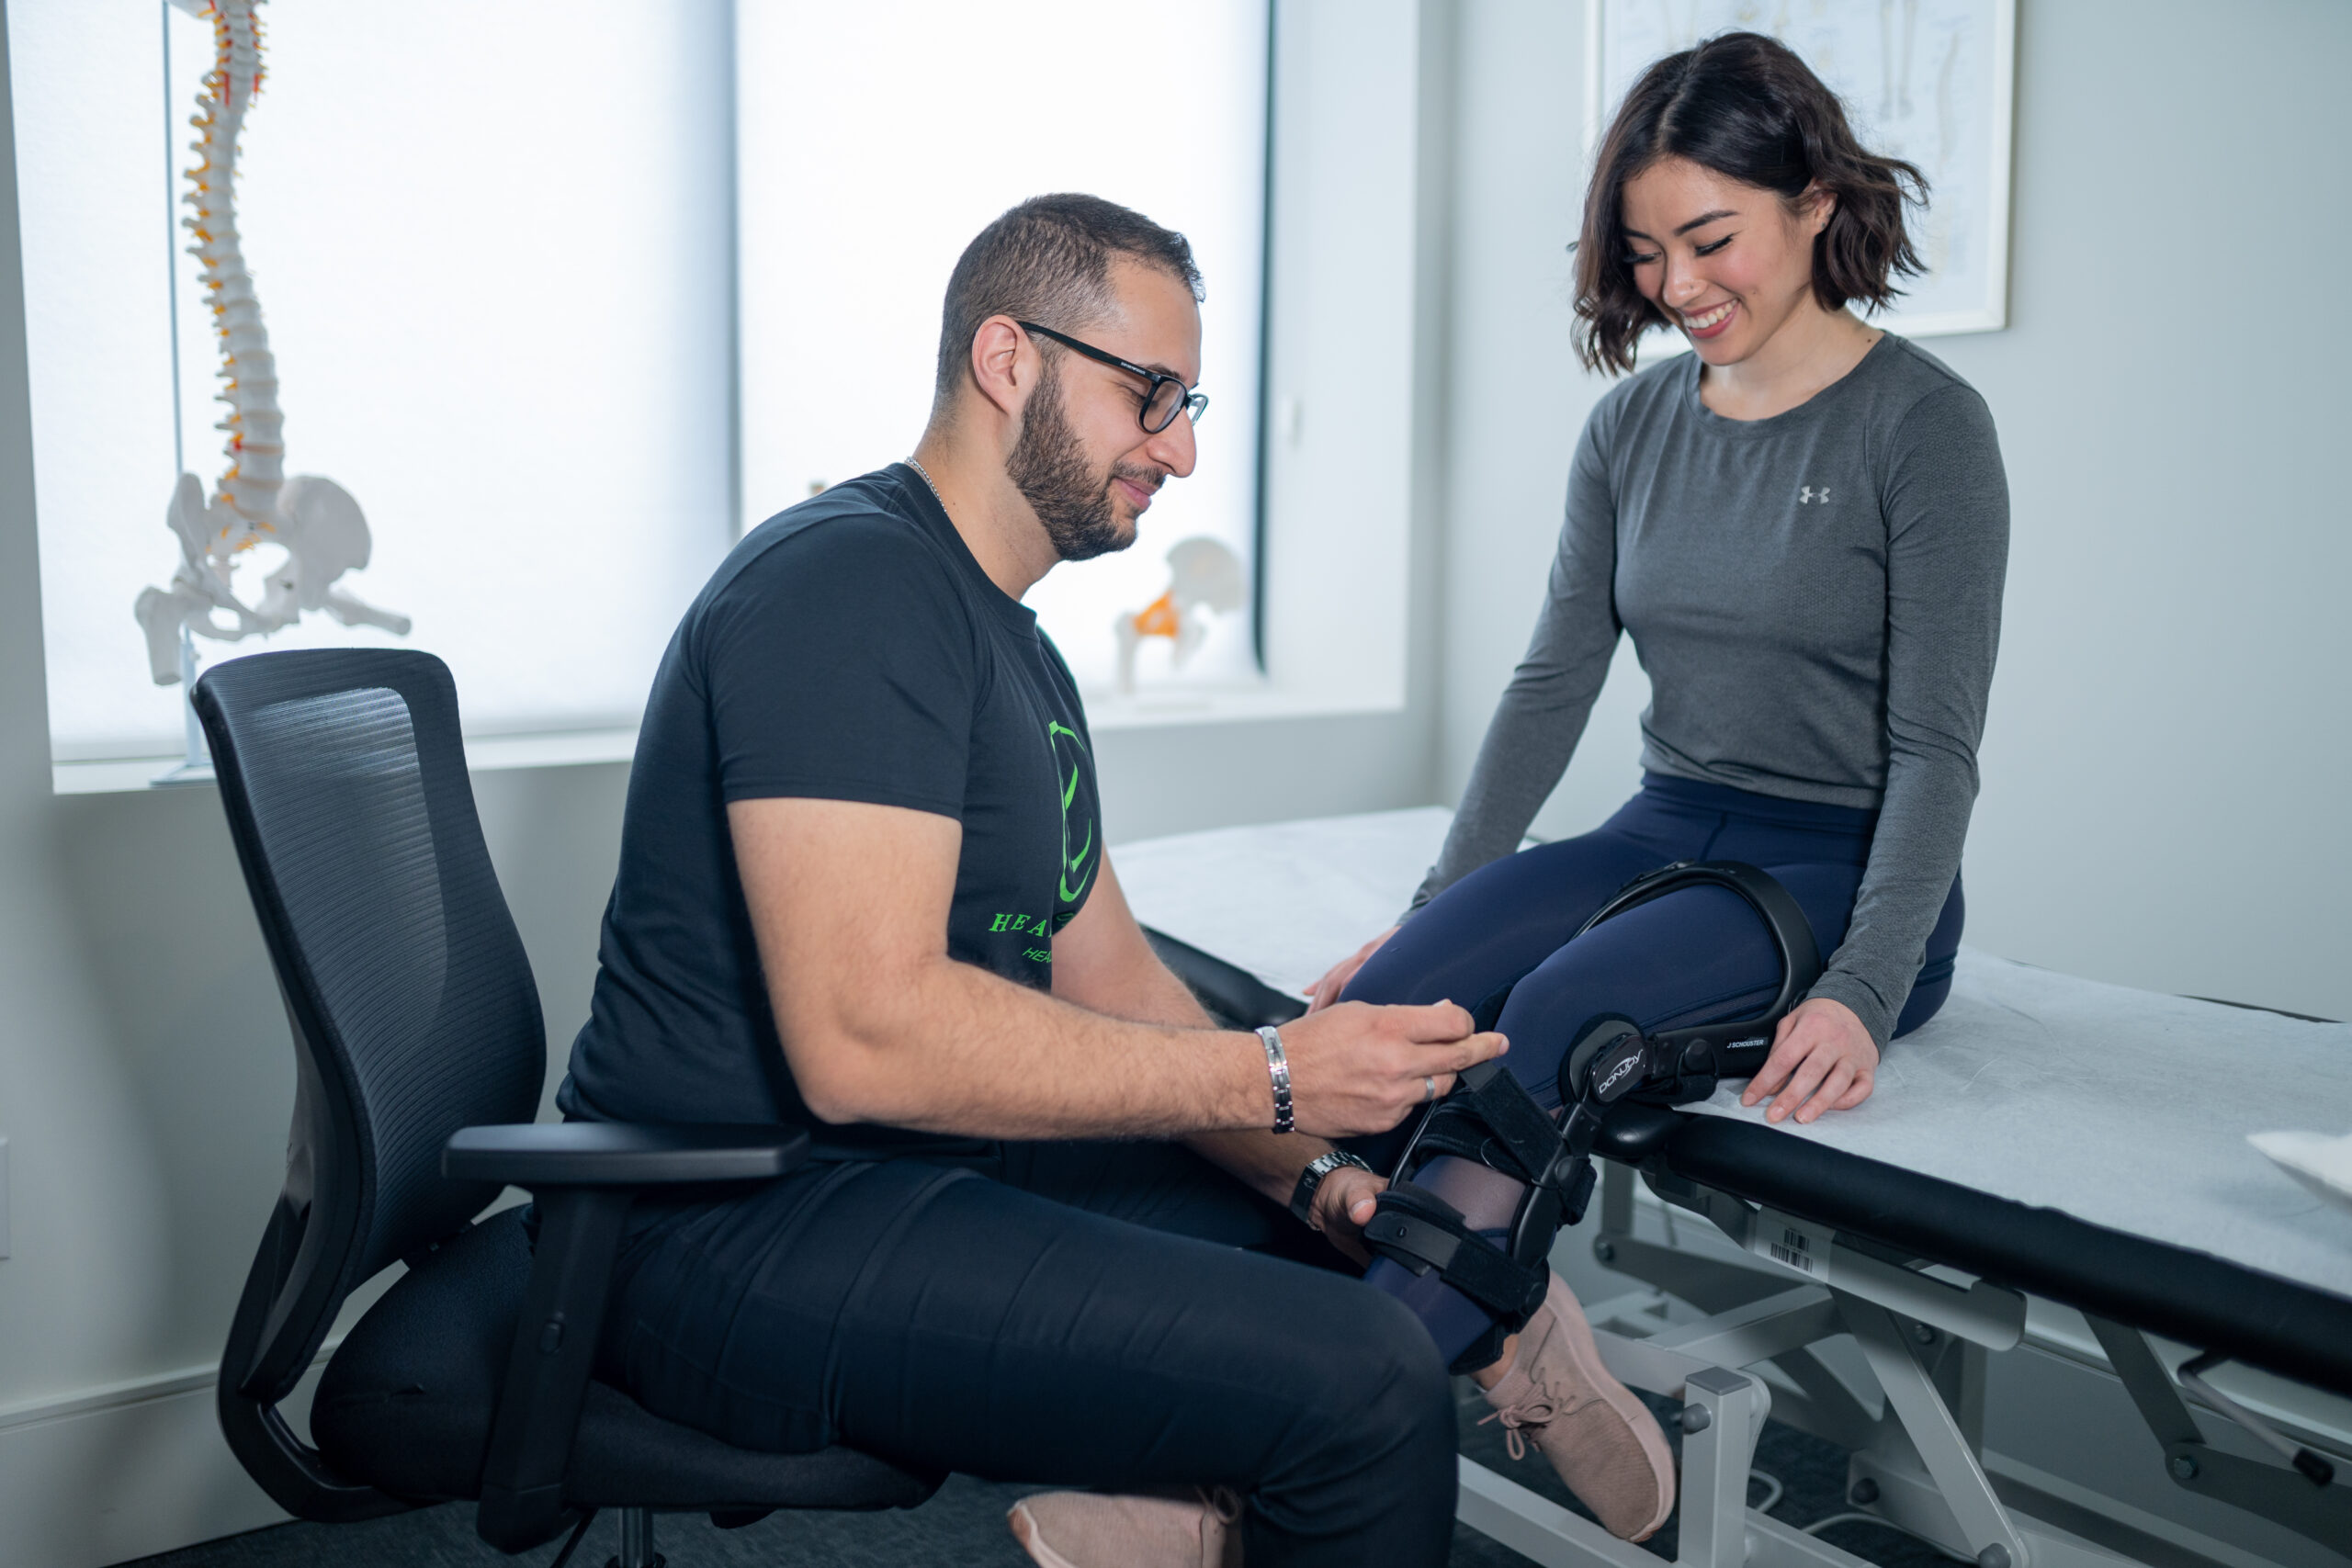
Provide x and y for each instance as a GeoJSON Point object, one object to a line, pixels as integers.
{"type": "Point", "coordinates": [1437, 1023]}
{"type": "Point", "coordinates": [1477, 1049]}
{"type": "Point", "coordinates": [1356, 1188]}
{"type": "Point", "coordinates": [1858, 1090]}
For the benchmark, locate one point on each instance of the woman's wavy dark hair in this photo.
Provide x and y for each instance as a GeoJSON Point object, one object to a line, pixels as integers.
{"type": "Point", "coordinates": [1746, 107]}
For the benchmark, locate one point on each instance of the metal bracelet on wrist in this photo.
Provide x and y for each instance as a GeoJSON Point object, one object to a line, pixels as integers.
{"type": "Point", "coordinates": [1278, 1069]}
{"type": "Point", "coordinates": [1310, 1182]}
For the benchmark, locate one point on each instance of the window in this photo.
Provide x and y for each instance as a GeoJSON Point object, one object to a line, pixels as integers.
{"type": "Point", "coordinates": [490, 247]}
{"type": "Point", "coordinates": [877, 140]}
{"type": "Point", "coordinates": [497, 252]}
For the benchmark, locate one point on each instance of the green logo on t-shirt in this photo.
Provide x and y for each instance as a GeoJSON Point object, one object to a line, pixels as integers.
{"type": "Point", "coordinates": [1072, 864]}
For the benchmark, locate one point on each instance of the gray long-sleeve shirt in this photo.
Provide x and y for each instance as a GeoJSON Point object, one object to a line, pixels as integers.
{"type": "Point", "coordinates": [1816, 597]}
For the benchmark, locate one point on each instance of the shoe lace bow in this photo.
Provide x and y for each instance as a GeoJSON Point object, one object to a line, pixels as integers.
{"type": "Point", "coordinates": [1535, 1412]}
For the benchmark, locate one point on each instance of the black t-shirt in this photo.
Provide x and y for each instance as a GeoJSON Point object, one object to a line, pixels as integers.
{"type": "Point", "coordinates": [849, 648]}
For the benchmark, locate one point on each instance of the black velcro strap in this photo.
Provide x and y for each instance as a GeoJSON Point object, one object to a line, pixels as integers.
{"type": "Point", "coordinates": [1423, 1232]}
{"type": "Point", "coordinates": [1521, 1126]}
{"type": "Point", "coordinates": [1456, 1128]}
{"type": "Point", "coordinates": [1419, 1244]}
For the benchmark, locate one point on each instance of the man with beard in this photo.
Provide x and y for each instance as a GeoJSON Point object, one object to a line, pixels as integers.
{"type": "Point", "coordinates": [863, 890]}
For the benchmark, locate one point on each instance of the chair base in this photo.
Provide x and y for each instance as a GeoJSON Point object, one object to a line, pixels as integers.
{"type": "Point", "coordinates": [636, 1541]}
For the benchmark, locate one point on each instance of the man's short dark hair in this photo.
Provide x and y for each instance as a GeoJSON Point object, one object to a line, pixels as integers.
{"type": "Point", "coordinates": [1048, 260]}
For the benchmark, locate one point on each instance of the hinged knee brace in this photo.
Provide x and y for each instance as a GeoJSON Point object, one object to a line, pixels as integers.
{"type": "Point", "coordinates": [1491, 1119]}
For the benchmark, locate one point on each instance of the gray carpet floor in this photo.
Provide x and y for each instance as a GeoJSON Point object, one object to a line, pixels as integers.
{"type": "Point", "coordinates": [963, 1527]}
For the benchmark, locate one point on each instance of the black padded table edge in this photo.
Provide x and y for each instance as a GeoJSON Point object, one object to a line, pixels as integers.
{"type": "Point", "coordinates": [1226, 988]}
{"type": "Point", "coordinates": [2297, 1331]}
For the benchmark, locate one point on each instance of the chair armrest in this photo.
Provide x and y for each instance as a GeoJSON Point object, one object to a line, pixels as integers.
{"type": "Point", "coordinates": [621, 1153]}
{"type": "Point", "coordinates": [584, 1176]}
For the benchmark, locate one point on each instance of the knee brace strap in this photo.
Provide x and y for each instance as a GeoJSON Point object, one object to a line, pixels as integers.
{"type": "Point", "coordinates": [1492, 1119]}
{"type": "Point", "coordinates": [1684, 1064]}
{"type": "Point", "coordinates": [1423, 1231]}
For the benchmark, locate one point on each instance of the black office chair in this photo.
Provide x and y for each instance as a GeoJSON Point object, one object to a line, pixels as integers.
{"type": "Point", "coordinates": [419, 1055]}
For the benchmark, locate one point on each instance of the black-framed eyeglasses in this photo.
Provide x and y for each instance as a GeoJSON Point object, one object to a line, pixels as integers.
{"type": "Point", "coordinates": [1166, 397]}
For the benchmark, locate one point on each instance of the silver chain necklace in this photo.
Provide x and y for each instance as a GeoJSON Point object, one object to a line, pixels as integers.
{"type": "Point", "coordinates": [928, 482]}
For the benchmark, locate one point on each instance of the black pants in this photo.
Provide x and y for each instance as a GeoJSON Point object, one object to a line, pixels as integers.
{"type": "Point", "coordinates": [1088, 1315]}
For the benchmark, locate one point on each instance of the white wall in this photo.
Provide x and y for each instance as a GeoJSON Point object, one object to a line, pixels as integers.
{"type": "Point", "coordinates": [2171, 724]}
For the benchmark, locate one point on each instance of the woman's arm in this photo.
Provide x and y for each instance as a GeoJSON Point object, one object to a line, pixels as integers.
{"type": "Point", "coordinates": [1947, 507]}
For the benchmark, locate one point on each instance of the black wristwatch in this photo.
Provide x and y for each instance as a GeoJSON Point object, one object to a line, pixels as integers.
{"type": "Point", "coordinates": [1302, 1197]}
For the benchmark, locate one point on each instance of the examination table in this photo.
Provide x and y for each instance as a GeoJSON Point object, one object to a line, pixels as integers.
{"type": "Point", "coordinates": [2040, 1285]}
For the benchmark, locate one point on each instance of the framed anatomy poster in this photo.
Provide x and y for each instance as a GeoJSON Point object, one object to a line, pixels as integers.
{"type": "Point", "coordinates": [1929, 81]}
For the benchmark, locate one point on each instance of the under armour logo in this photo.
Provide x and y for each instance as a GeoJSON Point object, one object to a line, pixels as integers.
{"type": "Point", "coordinates": [1808, 495]}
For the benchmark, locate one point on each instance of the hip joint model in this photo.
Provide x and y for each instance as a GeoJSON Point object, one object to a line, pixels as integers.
{"type": "Point", "coordinates": [1204, 580]}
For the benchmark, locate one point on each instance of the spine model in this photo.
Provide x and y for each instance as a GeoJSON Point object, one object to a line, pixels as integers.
{"type": "Point", "coordinates": [256, 446]}
{"type": "Point", "coordinates": [314, 520]}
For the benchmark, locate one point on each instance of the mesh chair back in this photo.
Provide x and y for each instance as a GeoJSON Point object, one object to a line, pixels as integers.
{"type": "Point", "coordinates": [413, 1006]}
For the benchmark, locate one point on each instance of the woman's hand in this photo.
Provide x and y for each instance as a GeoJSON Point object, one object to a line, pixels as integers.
{"type": "Point", "coordinates": [1327, 990]}
{"type": "Point", "coordinates": [1342, 1207]}
{"type": "Point", "coordinates": [1823, 1059]}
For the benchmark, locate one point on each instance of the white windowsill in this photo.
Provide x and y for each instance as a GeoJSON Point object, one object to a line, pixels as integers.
{"type": "Point", "coordinates": [484, 753]}
{"type": "Point", "coordinates": [1147, 709]}
{"type": "Point", "coordinates": [1177, 706]}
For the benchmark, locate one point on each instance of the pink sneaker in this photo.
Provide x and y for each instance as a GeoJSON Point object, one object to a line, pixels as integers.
{"type": "Point", "coordinates": [1095, 1529]}
{"type": "Point", "coordinates": [1598, 1435]}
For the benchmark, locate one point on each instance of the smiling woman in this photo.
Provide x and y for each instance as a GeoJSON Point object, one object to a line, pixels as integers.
{"type": "Point", "coordinates": [1803, 527]}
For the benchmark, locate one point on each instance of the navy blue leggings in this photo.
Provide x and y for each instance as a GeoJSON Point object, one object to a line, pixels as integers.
{"type": "Point", "coordinates": [1694, 956]}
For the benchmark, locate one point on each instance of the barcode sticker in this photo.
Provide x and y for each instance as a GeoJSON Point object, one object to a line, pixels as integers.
{"type": "Point", "coordinates": [1794, 1244]}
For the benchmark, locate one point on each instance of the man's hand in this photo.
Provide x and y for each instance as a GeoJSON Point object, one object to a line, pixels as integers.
{"type": "Point", "coordinates": [1823, 1059]}
{"type": "Point", "coordinates": [1356, 1069]}
{"type": "Point", "coordinates": [1327, 990]}
{"type": "Point", "coordinates": [1343, 1206]}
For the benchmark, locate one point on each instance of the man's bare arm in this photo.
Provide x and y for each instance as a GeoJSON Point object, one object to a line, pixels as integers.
{"type": "Point", "coordinates": [880, 1025]}
{"type": "Point", "coordinates": [1102, 962]}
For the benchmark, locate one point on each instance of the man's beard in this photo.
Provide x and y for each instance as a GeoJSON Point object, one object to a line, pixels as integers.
{"type": "Point", "coordinates": [1050, 468]}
